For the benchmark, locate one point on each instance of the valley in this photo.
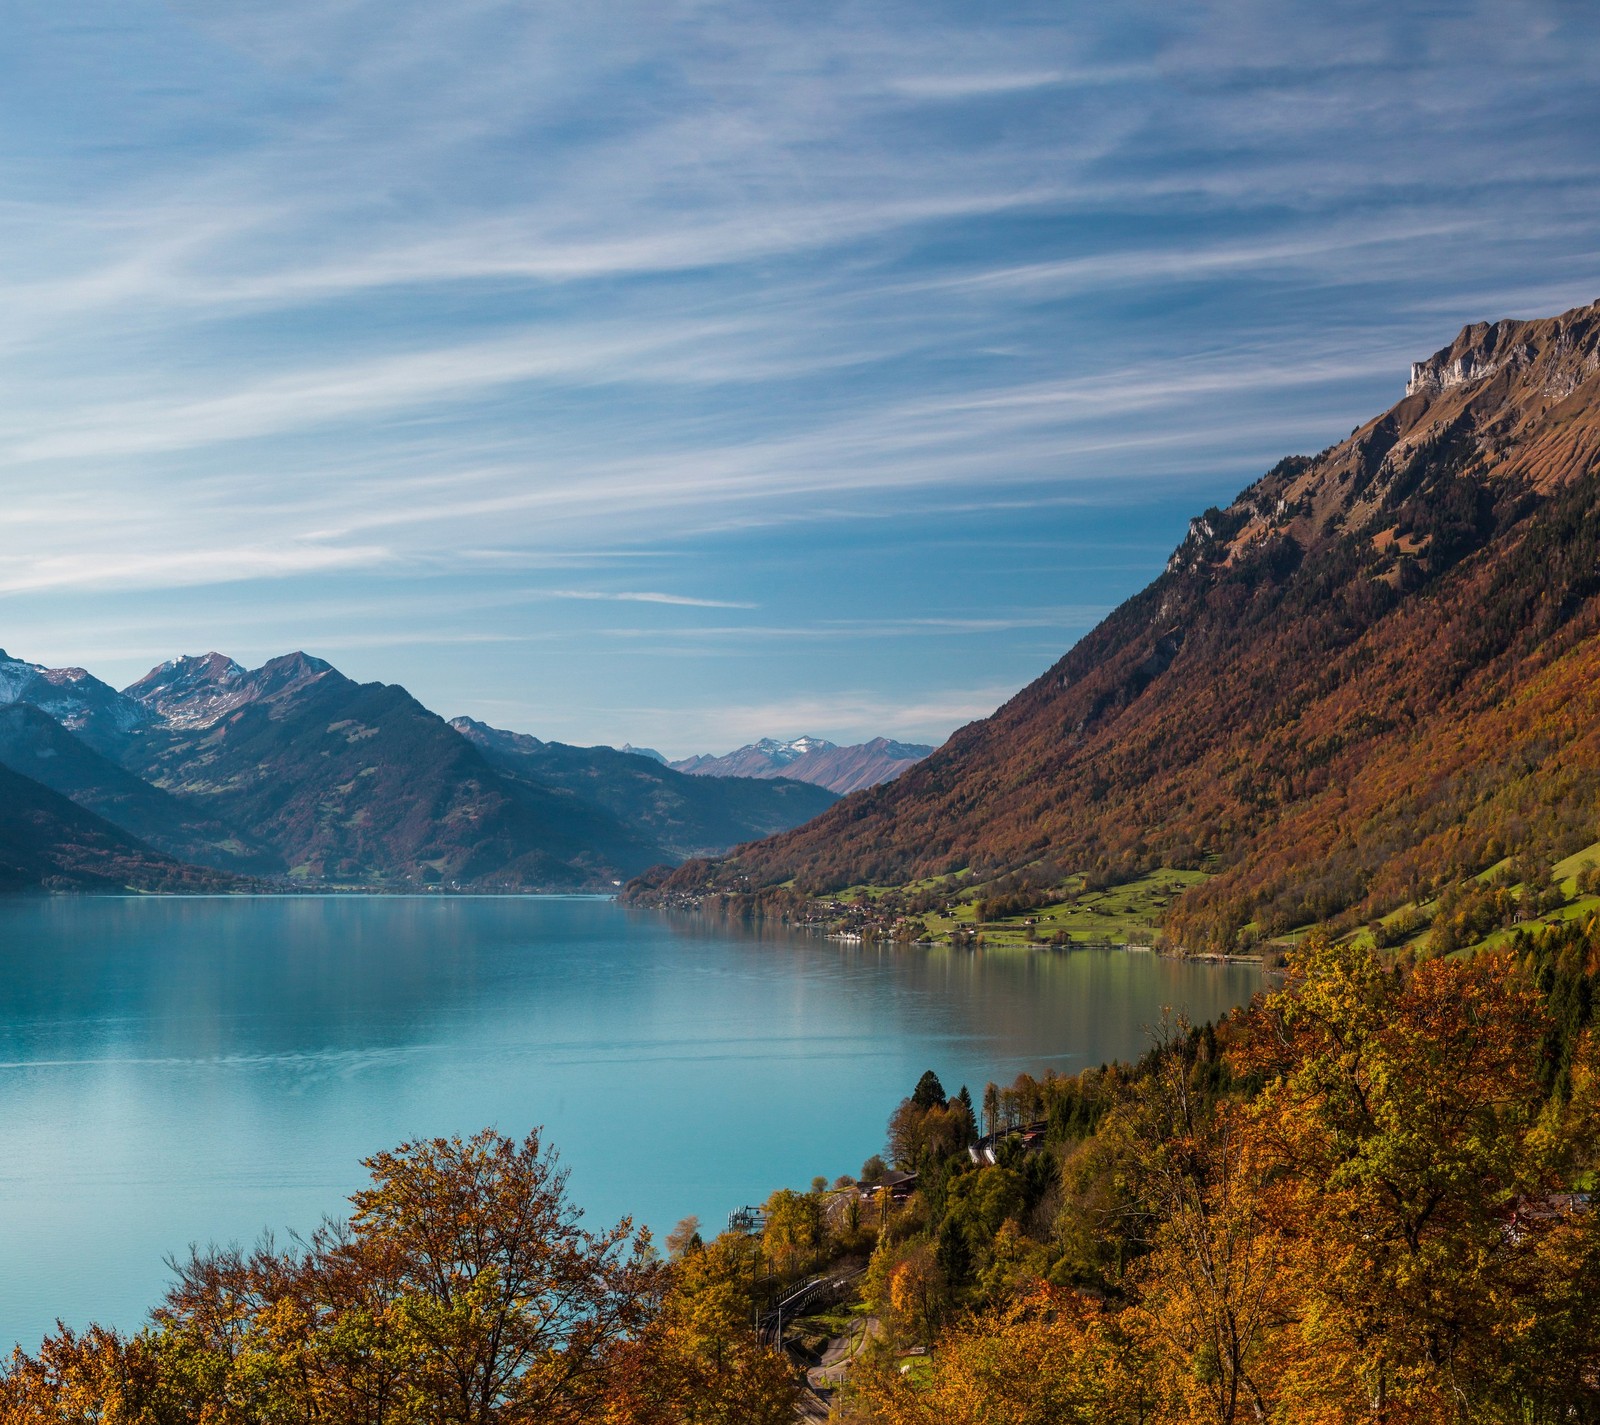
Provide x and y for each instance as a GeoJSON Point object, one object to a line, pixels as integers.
{"type": "Point", "coordinates": [737, 714]}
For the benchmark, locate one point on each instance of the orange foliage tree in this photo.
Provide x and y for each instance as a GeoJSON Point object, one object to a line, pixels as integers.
{"type": "Point", "coordinates": [1052, 1358]}
{"type": "Point", "coordinates": [463, 1289]}
{"type": "Point", "coordinates": [1381, 1216]}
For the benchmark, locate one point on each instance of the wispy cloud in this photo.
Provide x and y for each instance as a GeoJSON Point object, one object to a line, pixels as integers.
{"type": "Point", "coordinates": [308, 399]}
{"type": "Point", "coordinates": [182, 568]}
{"type": "Point", "coordinates": [971, 86]}
{"type": "Point", "coordinates": [679, 600]}
{"type": "Point", "coordinates": [306, 300]}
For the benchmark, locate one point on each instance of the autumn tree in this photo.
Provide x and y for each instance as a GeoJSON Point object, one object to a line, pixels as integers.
{"type": "Point", "coordinates": [97, 1376]}
{"type": "Point", "coordinates": [512, 1305]}
{"type": "Point", "coordinates": [794, 1230]}
{"type": "Point", "coordinates": [1410, 1152]}
{"type": "Point", "coordinates": [1052, 1358]}
{"type": "Point", "coordinates": [700, 1362]}
{"type": "Point", "coordinates": [919, 1293]}
{"type": "Point", "coordinates": [1210, 1289]}
{"type": "Point", "coordinates": [683, 1237]}
{"type": "Point", "coordinates": [991, 1107]}
{"type": "Point", "coordinates": [463, 1289]}
{"type": "Point", "coordinates": [919, 1135]}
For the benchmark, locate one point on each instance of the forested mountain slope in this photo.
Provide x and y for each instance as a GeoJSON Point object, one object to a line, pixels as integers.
{"type": "Point", "coordinates": [680, 815]}
{"type": "Point", "coordinates": [50, 843]}
{"type": "Point", "coordinates": [1375, 671]}
{"type": "Point", "coordinates": [37, 746]}
{"type": "Point", "coordinates": [358, 782]}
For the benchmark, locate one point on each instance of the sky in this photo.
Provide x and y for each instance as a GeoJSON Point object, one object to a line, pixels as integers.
{"type": "Point", "coordinates": [685, 373]}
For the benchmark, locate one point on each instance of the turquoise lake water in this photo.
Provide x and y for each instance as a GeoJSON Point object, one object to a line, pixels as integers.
{"type": "Point", "coordinates": [197, 1070]}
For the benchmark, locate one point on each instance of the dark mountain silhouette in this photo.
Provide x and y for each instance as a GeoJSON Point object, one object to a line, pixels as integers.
{"type": "Point", "coordinates": [35, 745]}
{"type": "Point", "coordinates": [49, 843]}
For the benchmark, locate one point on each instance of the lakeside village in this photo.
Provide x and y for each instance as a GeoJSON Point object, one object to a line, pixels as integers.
{"type": "Point", "coordinates": [1037, 907]}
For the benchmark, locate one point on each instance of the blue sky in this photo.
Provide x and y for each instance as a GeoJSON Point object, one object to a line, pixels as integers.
{"type": "Point", "coordinates": [686, 373]}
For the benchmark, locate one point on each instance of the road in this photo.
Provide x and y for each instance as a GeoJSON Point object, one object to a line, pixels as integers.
{"type": "Point", "coordinates": [824, 1378]}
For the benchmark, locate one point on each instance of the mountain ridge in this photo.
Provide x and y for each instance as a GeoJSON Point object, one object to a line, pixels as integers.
{"type": "Point", "coordinates": [811, 759]}
{"type": "Point", "coordinates": [294, 774]}
{"type": "Point", "coordinates": [681, 813]}
{"type": "Point", "coordinates": [75, 698]}
{"type": "Point", "coordinates": [35, 745]}
{"type": "Point", "coordinates": [48, 842]}
{"type": "Point", "coordinates": [1364, 676]}
{"type": "Point", "coordinates": [199, 691]}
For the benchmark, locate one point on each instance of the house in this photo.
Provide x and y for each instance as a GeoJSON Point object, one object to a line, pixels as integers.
{"type": "Point", "coordinates": [899, 1186]}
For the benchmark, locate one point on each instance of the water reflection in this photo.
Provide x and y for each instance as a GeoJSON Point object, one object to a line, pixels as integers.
{"type": "Point", "coordinates": [177, 1070]}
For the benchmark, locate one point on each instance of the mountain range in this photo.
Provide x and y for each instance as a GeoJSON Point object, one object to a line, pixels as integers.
{"type": "Point", "coordinates": [812, 759]}
{"type": "Point", "coordinates": [292, 773]}
{"type": "Point", "coordinates": [680, 813]}
{"type": "Point", "coordinates": [1375, 672]}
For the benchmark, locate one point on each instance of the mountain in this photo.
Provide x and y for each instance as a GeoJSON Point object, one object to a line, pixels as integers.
{"type": "Point", "coordinates": [811, 759]}
{"type": "Point", "coordinates": [852, 769]}
{"type": "Point", "coordinates": [682, 816]}
{"type": "Point", "coordinates": [766, 758]}
{"type": "Point", "coordinates": [358, 783]}
{"type": "Point", "coordinates": [76, 699]}
{"type": "Point", "coordinates": [195, 692]}
{"type": "Point", "coordinates": [35, 745]}
{"type": "Point", "coordinates": [292, 770]}
{"type": "Point", "coordinates": [649, 752]}
{"type": "Point", "coordinates": [1376, 671]}
{"type": "Point", "coordinates": [48, 842]}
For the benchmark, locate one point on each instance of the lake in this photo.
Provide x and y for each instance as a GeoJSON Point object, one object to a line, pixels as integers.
{"type": "Point", "coordinates": [196, 1070]}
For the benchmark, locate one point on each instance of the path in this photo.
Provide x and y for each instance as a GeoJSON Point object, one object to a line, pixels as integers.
{"type": "Point", "coordinates": [825, 1378]}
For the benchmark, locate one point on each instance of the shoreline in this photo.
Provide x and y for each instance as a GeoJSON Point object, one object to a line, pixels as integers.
{"type": "Point", "coordinates": [614, 895]}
